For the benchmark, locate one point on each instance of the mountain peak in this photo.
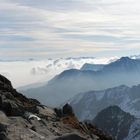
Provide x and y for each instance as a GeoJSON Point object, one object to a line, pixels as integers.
{"type": "Point", "coordinates": [109, 120]}
{"type": "Point", "coordinates": [123, 64]}
{"type": "Point", "coordinates": [5, 83]}
{"type": "Point", "coordinates": [125, 59]}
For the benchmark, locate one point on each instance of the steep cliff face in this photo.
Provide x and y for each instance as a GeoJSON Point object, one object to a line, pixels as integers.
{"type": "Point", "coordinates": [5, 83]}
{"type": "Point", "coordinates": [23, 118]}
{"type": "Point", "coordinates": [14, 103]}
{"type": "Point", "coordinates": [119, 124]}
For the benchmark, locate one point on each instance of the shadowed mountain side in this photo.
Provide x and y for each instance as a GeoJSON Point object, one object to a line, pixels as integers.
{"type": "Point", "coordinates": [70, 82]}
{"type": "Point", "coordinates": [93, 102]}
{"type": "Point", "coordinates": [119, 124]}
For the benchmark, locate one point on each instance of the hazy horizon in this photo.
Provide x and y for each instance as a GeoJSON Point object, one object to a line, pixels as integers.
{"type": "Point", "coordinates": [26, 72]}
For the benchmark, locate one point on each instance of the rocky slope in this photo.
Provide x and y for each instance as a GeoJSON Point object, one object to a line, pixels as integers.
{"type": "Point", "coordinates": [119, 124]}
{"type": "Point", "coordinates": [26, 119]}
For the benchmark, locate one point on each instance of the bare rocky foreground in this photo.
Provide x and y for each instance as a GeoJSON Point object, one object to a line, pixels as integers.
{"type": "Point", "coordinates": [26, 119]}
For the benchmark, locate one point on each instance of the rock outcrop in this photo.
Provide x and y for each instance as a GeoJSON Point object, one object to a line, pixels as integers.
{"type": "Point", "coordinates": [14, 103]}
{"type": "Point", "coordinates": [23, 118]}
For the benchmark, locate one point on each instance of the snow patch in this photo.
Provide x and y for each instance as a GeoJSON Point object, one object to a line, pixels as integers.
{"type": "Point", "coordinates": [34, 116]}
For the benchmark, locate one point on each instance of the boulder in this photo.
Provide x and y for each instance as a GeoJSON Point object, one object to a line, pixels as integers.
{"type": "Point", "coordinates": [3, 117]}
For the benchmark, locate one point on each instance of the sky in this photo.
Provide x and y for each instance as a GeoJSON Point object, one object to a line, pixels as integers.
{"type": "Point", "coordinates": [69, 28]}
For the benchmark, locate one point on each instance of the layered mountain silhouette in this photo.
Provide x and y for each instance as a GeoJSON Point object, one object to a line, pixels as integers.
{"type": "Point", "coordinates": [24, 118]}
{"type": "Point", "coordinates": [125, 71]}
{"type": "Point", "coordinates": [121, 125]}
{"type": "Point", "coordinates": [93, 102]}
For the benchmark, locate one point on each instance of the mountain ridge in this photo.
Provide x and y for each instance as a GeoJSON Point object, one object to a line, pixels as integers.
{"type": "Point", "coordinates": [127, 98]}
{"type": "Point", "coordinates": [121, 125]}
{"type": "Point", "coordinates": [66, 85]}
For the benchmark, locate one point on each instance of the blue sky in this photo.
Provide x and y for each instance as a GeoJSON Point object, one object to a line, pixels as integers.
{"type": "Point", "coordinates": [66, 28]}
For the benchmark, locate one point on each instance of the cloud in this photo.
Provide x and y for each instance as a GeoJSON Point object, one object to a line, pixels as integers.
{"type": "Point", "coordinates": [60, 28]}
{"type": "Point", "coordinates": [56, 5]}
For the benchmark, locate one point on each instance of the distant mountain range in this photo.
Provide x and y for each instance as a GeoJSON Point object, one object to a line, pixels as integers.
{"type": "Point", "coordinates": [119, 124]}
{"type": "Point", "coordinates": [87, 105]}
{"type": "Point", "coordinates": [100, 94]}
{"type": "Point", "coordinates": [39, 71]}
{"type": "Point", "coordinates": [124, 71]}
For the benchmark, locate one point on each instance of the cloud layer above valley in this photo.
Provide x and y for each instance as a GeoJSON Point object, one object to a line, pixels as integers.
{"type": "Point", "coordinates": [62, 28]}
{"type": "Point", "coordinates": [35, 73]}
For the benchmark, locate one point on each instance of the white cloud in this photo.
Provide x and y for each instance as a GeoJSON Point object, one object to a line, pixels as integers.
{"type": "Point", "coordinates": [44, 28]}
{"type": "Point", "coordinates": [23, 73]}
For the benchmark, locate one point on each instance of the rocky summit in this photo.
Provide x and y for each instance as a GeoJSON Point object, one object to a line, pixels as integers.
{"type": "Point", "coordinates": [27, 119]}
